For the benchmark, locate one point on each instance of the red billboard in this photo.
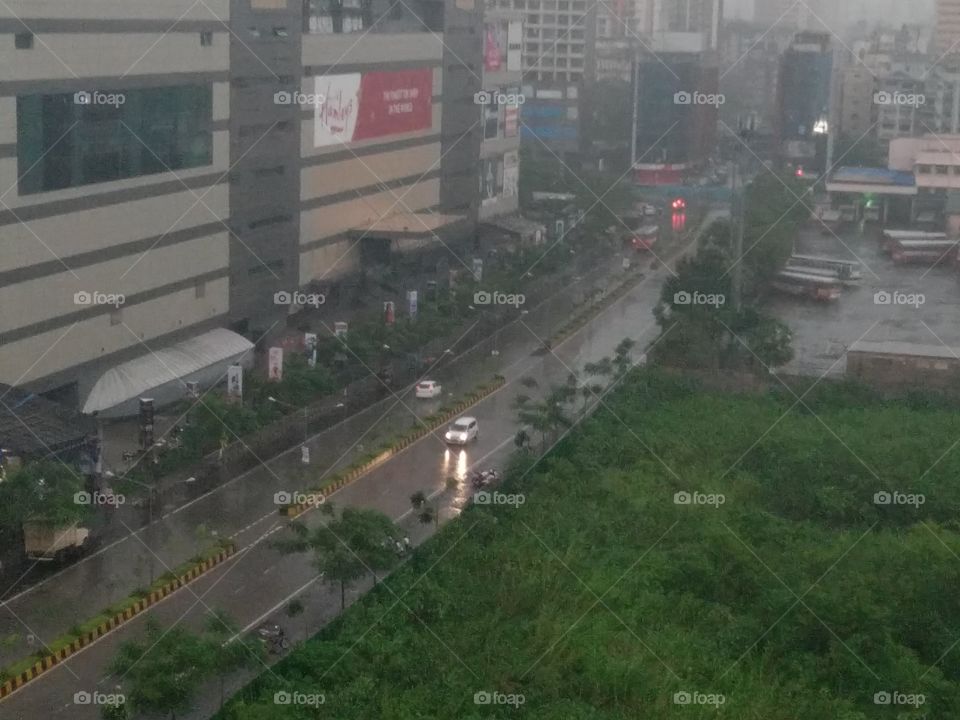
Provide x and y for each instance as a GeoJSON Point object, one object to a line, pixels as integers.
{"type": "Point", "coordinates": [375, 104]}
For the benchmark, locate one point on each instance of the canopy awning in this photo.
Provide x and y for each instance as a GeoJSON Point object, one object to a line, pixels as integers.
{"type": "Point", "coordinates": [161, 375]}
{"type": "Point", "coordinates": [406, 224]}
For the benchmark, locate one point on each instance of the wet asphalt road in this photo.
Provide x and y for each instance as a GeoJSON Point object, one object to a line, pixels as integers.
{"type": "Point", "coordinates": [258, 581]}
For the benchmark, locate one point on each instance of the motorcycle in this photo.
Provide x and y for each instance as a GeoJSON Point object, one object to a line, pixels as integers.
{"type": "Point", "coordinates": [485, 478]}
{"type": "Point", "coordinates": [273, 637]}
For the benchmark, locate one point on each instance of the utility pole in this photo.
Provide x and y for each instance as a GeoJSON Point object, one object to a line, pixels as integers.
{"type": "Point", "coordinates": [738, 204]}
{"type": "Point", "coordinates": [636, 92]}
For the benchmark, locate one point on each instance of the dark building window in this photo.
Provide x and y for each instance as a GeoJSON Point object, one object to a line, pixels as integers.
{"type": "Point", "coordinates": [206, 38]}
{"type": "Point", "coordinates": [67, 140]}
{"type": "Point", "coordinates": [266, 222]}
{"type": "Point", "coordinates": [23, 41]}
{"type": "Point", "coordinates": [323, 17]}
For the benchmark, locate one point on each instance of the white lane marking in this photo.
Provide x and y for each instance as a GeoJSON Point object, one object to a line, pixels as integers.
{"type": "Point", "coordinates": [472, 465]}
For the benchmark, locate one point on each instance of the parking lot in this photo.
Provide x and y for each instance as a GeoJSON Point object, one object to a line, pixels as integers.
{"type": "Point", "coordinates": [924, 311]}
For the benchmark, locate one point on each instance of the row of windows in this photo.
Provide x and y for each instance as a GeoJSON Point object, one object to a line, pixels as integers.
{"type": "Point", "coordinates": [68, 140]}
{"type": "Point", "coordinates": [24, 40]}
{"type": "Point", "coordinates": [938, 170]}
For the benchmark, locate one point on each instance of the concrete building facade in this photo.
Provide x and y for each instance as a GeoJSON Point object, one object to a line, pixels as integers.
{"type": "Point", "coordinates": [168, 168]}
{"type": "Point", "coordinates": [501, 103]}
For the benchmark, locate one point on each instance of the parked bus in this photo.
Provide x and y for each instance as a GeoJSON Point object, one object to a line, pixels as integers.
{"type": "Point", "coordinates": [846, 270]}
{"type": "Point", "coordinates": [813, 286]}
{"type": "Point", "coordinates": [930, 249]}
{"type": "Point", "coordinates": [891, 238]}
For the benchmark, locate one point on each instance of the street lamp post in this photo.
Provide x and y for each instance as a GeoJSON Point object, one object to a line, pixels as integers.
{"type": "Point", "coordinates": [304, 449]}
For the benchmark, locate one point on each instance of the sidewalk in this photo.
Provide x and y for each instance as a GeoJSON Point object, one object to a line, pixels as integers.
{"type": "Point", "coordinates": [238, 508]}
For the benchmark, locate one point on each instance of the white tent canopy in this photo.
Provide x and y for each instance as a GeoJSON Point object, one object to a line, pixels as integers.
{"type": "Point", "coordinates": [162, 375]}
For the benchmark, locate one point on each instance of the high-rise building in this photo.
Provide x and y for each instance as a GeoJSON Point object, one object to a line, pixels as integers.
{"type": "Point", "coordinates": [946, 32]}
{"type": "Point", "coordinates": [803, 101]}
{"type": "Point", "coordinates": [557, 57]}
{"type": "Point", "coordinates": [858, 109]}
{"type": "Point", "coordinates": [677, 78]}
{"type": "Point", "coordinates": [502, 99]}
{"type": "Point", "coordinates": [217, 158]}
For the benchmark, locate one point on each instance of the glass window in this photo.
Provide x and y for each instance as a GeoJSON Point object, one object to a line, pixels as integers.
{"type": "Point", "coordinates": [67, 140]}
{"type": "Point", "coordinates": [322, 17]}
{"type": "Point", "coordinates": [23, 41]}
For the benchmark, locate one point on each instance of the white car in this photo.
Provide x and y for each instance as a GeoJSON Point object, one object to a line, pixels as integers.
{"type": "Point", "coordinates": [463, 430]}
{"type": "Point", "coordinates": [429, 389]}
{"type": "Point", "coordinates": [648, 209]}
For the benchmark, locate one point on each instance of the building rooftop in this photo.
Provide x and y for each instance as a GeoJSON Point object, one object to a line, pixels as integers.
{"type": "Point", "coordinates": [873, 176]}
{"type": "Point", "coordinates": [33, 426]}
{"type": "Point", "coordinates": [892, 347]}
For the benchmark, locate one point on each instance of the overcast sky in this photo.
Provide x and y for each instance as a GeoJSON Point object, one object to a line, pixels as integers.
{"type": "Point", "coordinates": [893, 12]}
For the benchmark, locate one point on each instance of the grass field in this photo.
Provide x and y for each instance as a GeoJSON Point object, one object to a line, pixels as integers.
{"type": "Point", "coordinates": [786, 589]}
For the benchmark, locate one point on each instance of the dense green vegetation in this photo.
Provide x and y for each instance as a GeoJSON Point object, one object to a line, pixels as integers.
{"type": "Point", "coordinates": [701, 327]}
{"type": "Point", "coordinates": [798, 597]}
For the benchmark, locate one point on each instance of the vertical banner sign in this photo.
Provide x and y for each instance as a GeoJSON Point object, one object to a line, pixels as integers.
{"type": "Point", "coordinates": [340, 329]}
{"type": "Point", "coordinates": [388, 312]}
{"type": "Point", "coordinates": [235, 383]}
{"type": "Point", "coordinates": [514, 45]}
{"type": "Point", "coordinates": [310, 347]}
{"type": "Point", "coordinates": [412, 303]}
{"type": "Point", "coordinates": [511, 174]}
{"type": "Point", "coordinates": [511, 113]}
{"type": "Point", "coordinates": [275, 364]}
{"type": "Point", "coordinates": [492, 47]}
{"type": "Point", "coordinates": [146, 423]}
{"type": "Point", "coordinates": [478, 270]}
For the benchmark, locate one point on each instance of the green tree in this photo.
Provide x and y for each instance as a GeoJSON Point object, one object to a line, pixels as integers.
{"type": "Point", "coordinates": [425, 511]}
{"type": "Point", "coordinates": [360, 541]}
{"type": "Point", "coordinates": [163, 671]}
{"type": "Point", "coordinates": [295, 608]}
{"type": "Point", "coordinates": [228, 652]}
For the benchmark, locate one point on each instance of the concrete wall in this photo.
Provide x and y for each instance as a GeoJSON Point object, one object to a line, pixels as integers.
{"type": "Point", "coordinates": [160, 239]}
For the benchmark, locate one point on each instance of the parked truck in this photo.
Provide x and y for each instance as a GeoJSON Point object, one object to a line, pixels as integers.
{"type": "Point", "coordinates": [52, 543]}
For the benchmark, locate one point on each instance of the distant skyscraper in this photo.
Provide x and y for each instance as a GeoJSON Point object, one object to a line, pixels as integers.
{"type": "Point", "coordinates": [806, 15]}
{"type": "Point", "coordinates": [947, 28]}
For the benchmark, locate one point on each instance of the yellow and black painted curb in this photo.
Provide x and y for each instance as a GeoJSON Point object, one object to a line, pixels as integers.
{"type": "Point", "coordinates": [352, 474]}
{"type": "Point", "coordinates": [155, 596]}
{"type": "Point", "coordinates": [593, 309]}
